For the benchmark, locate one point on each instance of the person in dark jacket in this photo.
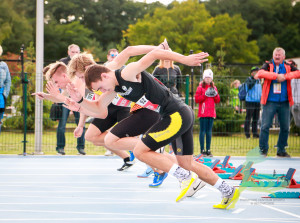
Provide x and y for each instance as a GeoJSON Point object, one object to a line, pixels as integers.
{"type": "Point", "coordinates": [253, 88]}
{"type": "Point", "coordinates": [170, 75]}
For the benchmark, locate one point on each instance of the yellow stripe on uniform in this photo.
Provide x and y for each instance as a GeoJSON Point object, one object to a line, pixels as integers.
{"type": "Point", "coordinates": [171, 130]}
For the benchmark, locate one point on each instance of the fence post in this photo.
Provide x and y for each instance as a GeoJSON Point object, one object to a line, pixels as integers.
{"type": "Point", "coordinates": [25, 82]}
{"type": "Point", "coordinates": [24, 86]}
{"type": "Point", "coordinates": [192, 83]}
{"type": "Point", "coordinates": [187, 88]}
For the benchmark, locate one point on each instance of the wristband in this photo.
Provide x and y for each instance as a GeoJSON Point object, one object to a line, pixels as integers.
{"type": "Point", "coordinates": [81, 100]}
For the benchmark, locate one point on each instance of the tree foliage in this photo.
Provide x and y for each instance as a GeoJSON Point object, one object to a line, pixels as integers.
{"type": "Point", "coordinates": [197, 30]}
{"type": "Point", "coordinates": [270, 20]}
{"type": "Point", "coordinates": [15, 28]}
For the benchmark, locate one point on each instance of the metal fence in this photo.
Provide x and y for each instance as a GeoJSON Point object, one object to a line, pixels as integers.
{"type": "Point", "coordinates": [228, 131]}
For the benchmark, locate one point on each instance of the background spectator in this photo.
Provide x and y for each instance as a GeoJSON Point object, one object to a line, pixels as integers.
{"type": "Point", "coordinates": [295, 84]}
{"type": "Point", "coordinates": [253, 88]}
{"type": "Point", "coordinates": [234, 95]}
{"type": "Point", "coordinates": [169, 74]}
{"type": "Point", "coordinates": [276, 98]}
{"type": "Point", "coordinates": [5, 83]}
{"type": "Point", "coordinates": [207, 96]}
{"type": "Point", "coordinates": [111, 55]}
{"type": "Point", "coordinates": [73, 49]}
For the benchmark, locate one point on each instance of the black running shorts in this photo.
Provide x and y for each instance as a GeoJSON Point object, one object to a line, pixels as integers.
{"type": "Point", "coordinates": [136, 124]}
{"type": "Point", "coordinates": [115, 115]}
{"type": "Point", "coordinates": [176, 128]}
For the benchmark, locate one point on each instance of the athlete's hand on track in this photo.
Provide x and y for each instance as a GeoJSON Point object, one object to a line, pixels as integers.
{"type": "Point", "coordinates": [195, 59]}
{"type": "Point", "coordinates": [71, 105]}
{"type": "Point", "coordinates": [73, 92]}
{"type": "Point", "coordinates": [39, 95]}
{"type": "Point", "coordinates": [78, 131]}
{"type": "Point", "coordinates": [52, 89]}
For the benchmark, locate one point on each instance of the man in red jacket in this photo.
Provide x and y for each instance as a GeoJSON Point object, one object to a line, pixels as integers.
{"type": "Point", "coordinates": [276, 98]}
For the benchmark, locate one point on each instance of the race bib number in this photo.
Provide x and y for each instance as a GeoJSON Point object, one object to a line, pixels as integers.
{"type": "Point", "coordinates": [120, 101]}
{"type": "Point", "coordinates": [145, 103]}
{"type": "Point", "coordinates": [277, 88]}
{"type": "Point", "coordinates": [90, 96]}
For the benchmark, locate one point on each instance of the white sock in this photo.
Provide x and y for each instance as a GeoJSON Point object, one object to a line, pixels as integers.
{"type": "Point", "coordinates": [179, 172]}
{"type": "Point", "coordinates": [224, 188]}
{"type": "Point", "coordinates": [218, 183]}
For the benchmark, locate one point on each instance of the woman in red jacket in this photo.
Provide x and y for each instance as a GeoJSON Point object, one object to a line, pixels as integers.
{"type": "Point", "coordinates": [207, 96]}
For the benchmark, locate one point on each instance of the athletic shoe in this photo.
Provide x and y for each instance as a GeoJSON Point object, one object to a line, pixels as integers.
{"type": "Point", "coordinates": [125, 166]}
{"type": "Point", "coordinates": [81, 152]}
{"type": "Point", "coordinates": [147, 173]}
{"type": "Point", "coordinates": [283, 155]}
{"type": "Point", "coordinates": [204, 154]}
{"type": "Point", "coordinates": [160, 179]}
{"type": "Point", "coordinates": [108, 153]}
{"type": "Point", "coordinates": [60, 151]}
{"type": "Point", "coordinates": [187, 186]}
{"type": "Point", "coordinates": [208, 153]}
{"type": "Point", "coordinates": [198, 186]}
{"type": "Point", "coordinates": [132, 157]}
{"type": "Point", "coordinates": [229, 202]}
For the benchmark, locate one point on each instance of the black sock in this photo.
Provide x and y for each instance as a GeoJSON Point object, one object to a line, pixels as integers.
{"type": "Point", "coordinates": [127, 159]}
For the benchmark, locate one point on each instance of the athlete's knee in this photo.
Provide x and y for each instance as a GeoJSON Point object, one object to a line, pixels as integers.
{"type": "Point", "coordinates": [88, 136]}
{"type": "Point", "coordinates": [138, 153]}
{"type": "Point", "coordinates": [110, 140]}
{"type": "Point", "coordinates": [185, 164]}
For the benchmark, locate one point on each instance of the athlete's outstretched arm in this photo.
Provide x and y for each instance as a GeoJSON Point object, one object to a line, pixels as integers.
{"type": "Point", "coordinates": [130, 51]}
{"type": "Point", "coordinates": [132, 69]}
{"type": "Point", "coordinates": [99, 107]}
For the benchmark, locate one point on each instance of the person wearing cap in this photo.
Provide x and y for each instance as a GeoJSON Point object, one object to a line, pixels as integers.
{"type": "Point", "coordinates": [207, 96]}
{"type": "Point", "coordinates": [253, 88]}
{"type": "Point", "coordinates": [276, 98]}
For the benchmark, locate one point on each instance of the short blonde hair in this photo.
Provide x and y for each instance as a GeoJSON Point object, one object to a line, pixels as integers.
{"type": "Point", "coordinates": [1, 50]}
{"type": "Point", "coordinates": [79, 63]}
{"type": "Point", "coordinates": [53, 68]}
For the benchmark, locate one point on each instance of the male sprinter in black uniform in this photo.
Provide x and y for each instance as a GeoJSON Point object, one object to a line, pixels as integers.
{"type": "Point", "coordinates": [176, 123]}
{"type": "Point", "coordinates": [77, 68]}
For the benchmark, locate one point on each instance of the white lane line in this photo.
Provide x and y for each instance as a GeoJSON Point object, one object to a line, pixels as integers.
{"type": "Point", "coordinates": [201, 196]}
{"type": "Point", "coordinates": [239, 210]}
{"type": "Point", "coordinates": [282, 211]}
{"type": "Point", "coordinates": [129, 216]}
{"type": "Point", "coordinates": [66, 174]}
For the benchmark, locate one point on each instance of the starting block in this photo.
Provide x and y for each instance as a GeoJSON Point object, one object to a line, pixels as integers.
{"type": "Point", "coordinates": [217, 167]}
{"type": "Point", "coordinates": [201, 159]}
{"type": "Point", "coordinates": [285, 181]}
{"type": "Point", "coordinates": [284, 195]}
{"type": "Point", "coordinates": [238, 173]}
{"type": "Point", "coordinates": [224, 167]}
